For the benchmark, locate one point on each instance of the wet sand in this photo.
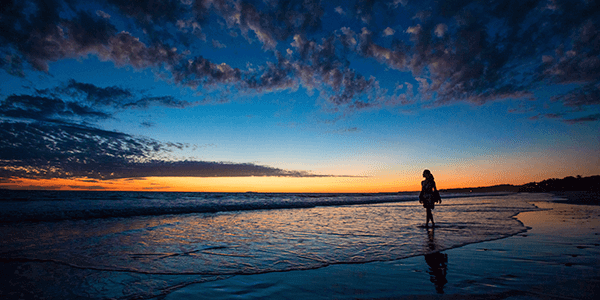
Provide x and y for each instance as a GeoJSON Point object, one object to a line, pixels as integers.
{"type": "Point", "coordinates": [579, 197]}
{"type": "Point", "coordinates": [557, 258]}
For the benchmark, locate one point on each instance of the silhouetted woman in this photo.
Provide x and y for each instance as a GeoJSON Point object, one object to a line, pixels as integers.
{"type": "Point", "coordinates": [429, 195]}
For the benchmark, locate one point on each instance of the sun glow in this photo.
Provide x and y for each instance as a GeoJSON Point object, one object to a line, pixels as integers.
{"type": "Point", "coordinates": [220, 184]}
{"type": "Point", "coordinates": [383, 181]}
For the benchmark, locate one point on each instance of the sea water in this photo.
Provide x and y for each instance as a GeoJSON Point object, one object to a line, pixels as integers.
{"type": "Point", "coordinates": [135, 245]}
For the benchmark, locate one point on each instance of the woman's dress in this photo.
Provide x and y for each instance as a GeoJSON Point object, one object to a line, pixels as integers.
{"type": "Point", "coordinates": [427, 193]}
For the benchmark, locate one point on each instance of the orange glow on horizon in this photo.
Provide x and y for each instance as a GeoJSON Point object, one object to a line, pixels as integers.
{"type": "Point", "coordinates": [217, 184]}
{"type": "Point", "coordinates": [373, 184]}
{"type": "Point", "coordinates": [407, 178]}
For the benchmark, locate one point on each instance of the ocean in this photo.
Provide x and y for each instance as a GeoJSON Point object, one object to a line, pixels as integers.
{"type": "Point", "coordinates": [142, 245]}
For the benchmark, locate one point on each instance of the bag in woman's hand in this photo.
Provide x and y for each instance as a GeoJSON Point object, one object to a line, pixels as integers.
{"type": "Point", "coordinates": [436, 197]}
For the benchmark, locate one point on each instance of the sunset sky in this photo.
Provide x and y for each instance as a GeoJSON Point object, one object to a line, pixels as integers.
{"type": "Point", "coordinates": [297, 96]}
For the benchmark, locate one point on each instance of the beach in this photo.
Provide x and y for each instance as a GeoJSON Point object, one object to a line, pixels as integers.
{"type": "Point", "coordinates": [508, 246]}
{"type": "Point", "coordinates": [299, 149]}
{"type": "Point", "coordinates": [558, 257]}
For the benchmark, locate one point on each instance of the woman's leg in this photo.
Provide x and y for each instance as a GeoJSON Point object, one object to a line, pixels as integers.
{"type": "Point", "coordinates": [429, 217]}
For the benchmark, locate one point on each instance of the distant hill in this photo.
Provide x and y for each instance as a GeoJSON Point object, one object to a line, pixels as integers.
{"type": "Point", "coordinates": [486, 189]}
{"type": "Point", "coordinates": [570, 183]}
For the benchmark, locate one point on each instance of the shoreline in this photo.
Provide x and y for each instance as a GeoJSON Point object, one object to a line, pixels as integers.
{"type": "Point", "coordinates": [556, 258]}
{"type": "Point", "coordinates": [550, 252]}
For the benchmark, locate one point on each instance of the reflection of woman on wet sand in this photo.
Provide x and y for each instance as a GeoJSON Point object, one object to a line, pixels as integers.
{"type": "Point", "coordinates": [429, 195]}
{"type": "Point", "coordinates": [437, 263]}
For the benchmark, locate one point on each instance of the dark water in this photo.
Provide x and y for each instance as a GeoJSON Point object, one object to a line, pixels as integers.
{"type": "Point", "coordinates": [141, 245]}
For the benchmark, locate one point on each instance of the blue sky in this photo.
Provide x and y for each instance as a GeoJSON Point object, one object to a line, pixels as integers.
{"type": "Point", "coordinates": [364, 92]}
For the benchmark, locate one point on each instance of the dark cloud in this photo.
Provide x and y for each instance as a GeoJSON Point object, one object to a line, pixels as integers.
{"type": "Point", "coordinates": [590, 118]}
{"type": "Point", "coordinates": [323, 66]}
{"type": "Point", "coordinates": [125, 49]}
{"type": "Point", "coordinates": [352, 86]}
{"type": "Point", "coordinates": [269, 21]}
{"type": "Point", "coordinates": [45, 108]}
{"type": "Point", "coordinates": [40, 150]}
{"type": "Point", "coordinates": [52, 150]}
{"type": "Point", "coordinates": [162, 20]}
{"type": "Point", "coordinates": [216, 44]}
{"type": "Point", "coordinates": [586, 95]}
{"type": "Point", "coordinates": [112, 96]}
{"type": "Point", "coordinates": [89, 34]}
{"type": "Point", "coordinates": [76, 102]}
{"type": "Point", "coordinates": [88, 187]}
{"type": "Point", "coordinates": [480, 51]}
{"type": "Point", "coordinates": [457, 51]}
{"type": "Point", "coordinates": [349, 130]}
{"type": "Point", "coordinates": [151, 15]}
{"type": "Point", "coordinates": [205, 169]}
{"type": "Point", "coordinates": [84, 33]}
{"type": "Point", "coordinates": [34, 32]}
{"type": "Point", "coordinates": [554, 116]}
{"type": "Point", "coordinates": [249, 18]}
{"type": "Point", "coordinates": [39, 35]}
{"type": "Point", "coordinates": [579, 59]}
{"type": "Point", "coordinates": [365, 10]}
{"type": "Point", "coordinates": [102, 14]}
{"type": "Point", "coordinates": [272, 76]}
{"type": "Point", "coordinates": [464, 65]}
{"type": "Point", "coordinates": [109, 96]}
{"type": "Point", "coordinates": [202, 72]}
{"type": "Point", "coordinates": [290, 17]}
{"type": "Point", "coordinates": [167, 101]}
{"type": "Point", "coordinates": [147, 124]}
{"type": "Point", "coordinates": [150, 11]}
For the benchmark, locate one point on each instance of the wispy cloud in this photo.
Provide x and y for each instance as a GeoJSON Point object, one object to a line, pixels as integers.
{"type": "Point", "coordinates": [42, 137]}
{"type": "Point", "coordinates": [46, 109]}
{"type": "Point", "coordinates": [218, 45]}
{"type": "Point", "coordinates": [54, 150]}
{"type": "Point", "coordinates": [389, 31]}
{"type": "Point", "coordinates": [113, 96]}
{"type": "Point", "coordinates": [589, 118]}
{"type": "Point", "coordinates": [587, 95]}
{"type": "Point", "coordinates": [75, 101]}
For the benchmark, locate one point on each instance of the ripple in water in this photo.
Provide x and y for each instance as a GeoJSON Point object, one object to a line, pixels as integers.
{"type": "Point", "coordinates": [147, 256]}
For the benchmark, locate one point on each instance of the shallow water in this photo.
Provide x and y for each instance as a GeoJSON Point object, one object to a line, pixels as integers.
{"type": "Point", "coordinates": [90, 254]}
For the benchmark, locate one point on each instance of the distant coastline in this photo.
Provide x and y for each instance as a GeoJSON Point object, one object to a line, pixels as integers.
{"type": "Point", "coordinates": [570, 183]}
{"type": "Point", "coordinates": [485, 189]}
{"type": "Point", "coordinates": [576, 190]}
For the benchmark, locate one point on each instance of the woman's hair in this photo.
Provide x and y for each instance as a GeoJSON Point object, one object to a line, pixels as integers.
{"type": "Point", "coordinates": [427, 174]}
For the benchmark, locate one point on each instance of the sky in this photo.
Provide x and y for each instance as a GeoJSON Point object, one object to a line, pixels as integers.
{"type": "Point", "coordinates": [297, 96]}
